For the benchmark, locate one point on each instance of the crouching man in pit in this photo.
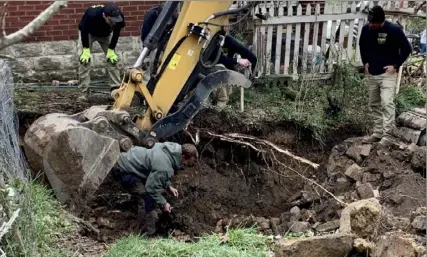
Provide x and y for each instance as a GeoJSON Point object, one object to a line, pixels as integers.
{"type": "Point", "coordinates": [146, 173]}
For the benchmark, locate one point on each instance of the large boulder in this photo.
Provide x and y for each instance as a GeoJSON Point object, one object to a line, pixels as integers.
{"type": "Point", "coordinates": [396, 244]}
{"type": "Point", "coordinates": [361, 218]}
{"type": "Point", "coordinates": [335, 245]}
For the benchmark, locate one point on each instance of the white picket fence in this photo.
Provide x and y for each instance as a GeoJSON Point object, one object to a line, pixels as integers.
{"type": "Point", "coordinates": [300, 38]}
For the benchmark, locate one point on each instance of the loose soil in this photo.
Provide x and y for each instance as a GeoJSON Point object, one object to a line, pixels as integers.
{"type": "Point", "coordinates": [230, 179]}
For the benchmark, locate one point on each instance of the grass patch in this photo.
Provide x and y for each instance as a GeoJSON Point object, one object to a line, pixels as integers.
{"type": "Point", "coordinates": [40, 223]}
{"type": "Point", "coordinates": [318, 106]}
{"type": "Point", "coordinates": [236, 243]}
{"type": "Point", "coordinates": [409, 97]}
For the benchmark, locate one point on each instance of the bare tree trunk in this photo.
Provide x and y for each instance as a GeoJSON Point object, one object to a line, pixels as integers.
{"type": "Point", "coordinates": [7, 40]}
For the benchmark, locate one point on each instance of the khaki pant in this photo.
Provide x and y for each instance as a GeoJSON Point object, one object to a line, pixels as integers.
{"type": "Point", "coordinates": [221, 95]}
{"type": "Point", "coordinates": [112, 69]}
{"type": "Point", "coordinates": [382, 90]}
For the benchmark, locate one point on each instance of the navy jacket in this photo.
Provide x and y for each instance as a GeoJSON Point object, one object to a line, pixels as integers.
{"type": "Point", "coordinates": [383, 47]}
{"type": "Point", "coordinates": [93, 23]}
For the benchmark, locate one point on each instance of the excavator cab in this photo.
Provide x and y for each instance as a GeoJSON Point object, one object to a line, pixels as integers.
{"type": "Point", "coordinates": [76, 152]}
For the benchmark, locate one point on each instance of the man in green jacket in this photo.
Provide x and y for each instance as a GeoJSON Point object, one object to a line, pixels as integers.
{"type": "Point", "coordinates": [146, 173]}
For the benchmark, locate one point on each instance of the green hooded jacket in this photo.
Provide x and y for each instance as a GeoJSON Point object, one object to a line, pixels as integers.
{"type": "Point", "coordinates": [155, 166]}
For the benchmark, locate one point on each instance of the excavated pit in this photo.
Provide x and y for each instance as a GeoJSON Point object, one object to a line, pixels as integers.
{"type": "Point", "coordinates": [234, 185]}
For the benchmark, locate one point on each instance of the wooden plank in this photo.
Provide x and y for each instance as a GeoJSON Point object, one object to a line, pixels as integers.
{"type": "Point", "coordinates": [360, 25]}
{"type": "Point", "coordinates": [262, 41]}
{"type": "Point", "coordinates": [332, 47]}
{"type": "Point", "coordinates": [323, 40]}
{"type": "Point", "coordinates": [350, 34]}
{"type": "Point", "coordinates": [312, 18]}
{"type": "Point", "coordinates": [306, 39]}
{"type": "Point", "coordinates": [315, 37]}
{"type": "Point", "coordinates": [269, 42]}
{"type": "Point", "coordinates": [256, 47]}
{"type": "Point", "coordinates": [342, 34]}
{"type": "Point", "coordinates": [297, 42]}
{"type": "Point", "coordinates": [278, 44]}
{"type": "Point", "coordinates": [288, 43]}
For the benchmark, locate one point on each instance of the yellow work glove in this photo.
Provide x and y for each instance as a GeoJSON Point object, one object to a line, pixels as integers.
{"type": "Point", "coordinates": [112, 56]}
{"type": "Point", "coordinates": [85, 56]}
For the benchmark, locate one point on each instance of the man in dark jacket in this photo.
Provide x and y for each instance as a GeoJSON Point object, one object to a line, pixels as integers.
{"type": "Point", "coordinates": [383, 49]}
{"type": "Point", "coordinates": [97, 24]}
{"type": "Point", "coordinates": [148, 172]}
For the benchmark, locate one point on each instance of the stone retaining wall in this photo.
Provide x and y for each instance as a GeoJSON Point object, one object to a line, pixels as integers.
{"type": "Point", "coordinates": [42, 62]}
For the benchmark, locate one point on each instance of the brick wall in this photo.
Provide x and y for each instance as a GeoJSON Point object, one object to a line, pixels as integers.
{"type": "Point", "coordinates": [64, 25]}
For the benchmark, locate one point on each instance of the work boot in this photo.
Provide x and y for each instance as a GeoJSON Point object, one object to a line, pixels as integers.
{"type": "Point", "coordinates": [148, 226]}
{"type": "Point", "coordinates": [386, 141]}
{"type": "Point", "coordinates": [371, 139]}
{"type": "Point", "coordinates": [84, 96]}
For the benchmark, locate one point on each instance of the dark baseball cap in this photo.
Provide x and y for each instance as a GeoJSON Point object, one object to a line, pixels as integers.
{"type": "Point", "coordinates": [376, 15]}
{"type": "Point", "coordinates": [112, 11]}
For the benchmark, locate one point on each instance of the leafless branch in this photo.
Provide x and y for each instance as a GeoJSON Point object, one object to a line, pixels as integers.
{"type": "Point", "coordinates": [35, 24]}
{"type": "Point", "coordinates": [3, 18]}
{"type": "Point", "coordinates": [419, 6]}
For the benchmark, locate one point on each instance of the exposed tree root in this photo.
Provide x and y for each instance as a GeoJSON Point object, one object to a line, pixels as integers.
{"type": "Point", "coordinates": [257, 144]}
{"type": "Point", "coordinates": [266, 147]}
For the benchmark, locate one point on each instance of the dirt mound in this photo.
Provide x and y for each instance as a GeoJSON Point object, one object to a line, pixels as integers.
{"type": "Point", "coordinates": [357, 171]}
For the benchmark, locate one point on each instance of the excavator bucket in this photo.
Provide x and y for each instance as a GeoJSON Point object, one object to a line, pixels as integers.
{"type": "Point", "coordinates": [74, 156]}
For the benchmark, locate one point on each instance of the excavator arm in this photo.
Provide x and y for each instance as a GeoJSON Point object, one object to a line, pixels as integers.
{"type": "Point", "coordinates": [76, 152]}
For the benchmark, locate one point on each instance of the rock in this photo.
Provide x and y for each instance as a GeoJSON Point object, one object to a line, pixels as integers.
{"type": "Point", "coordinates": [368, 177]}
{"type": "Point", "coordinates": [418, 162]}
{"type": "Point", "coordinates": [365, 191]}
{"type": "Point", "coordinates": [376, 193]}
{"type": "Point", "coordinates": [361, 217]}
{"type": "Point", "coordinates": [397, 244]}
{"type": "Point", "coordinates": [412, 148]}
{"type": "Point", "coordinates": [363, 246]}
{"type": "Point", "coordinates": [103, 222]}
{"type": "Point", "coordinates": [336, 245]}
{"type": "Point", "coordinates": [274, 224]}
{"type": "Point", "coordinates": [295, 213]}
{"type": "Point", "coordinates": [354, 196]}
{"type": "Point", "coordinates": [365, 150]}
{"type": "Point", "coordinates": [263, 223]}
{"type": "Point", "coordinates": [27, 50]}
{"type": "Point", "coordinates": [299, 226]}
{"type": "Point", "coordinates": [419, 222]}
{"type": "Point", "coordinates": [64, 47]}
{"type": "Point", "coordinates": [308, 215]}
{"type": "Point", "coordinates": [388, 173]}
{"type": "Point", "coordinates": [328, 226]}
{"type": "Point", "coordinates": [354, 153]}
{"type": "Point", "coordinates": [342, 184]}
{"type": "Point", "coordinates": [355, 172]}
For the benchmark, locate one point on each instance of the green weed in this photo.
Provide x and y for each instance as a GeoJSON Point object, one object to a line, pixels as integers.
{"type": "Point", "coordinates": [409, 97]}
{"type": "Point", "coordinates": [39, 224]}
{"type": "Point", "coordinates": [236, 243]}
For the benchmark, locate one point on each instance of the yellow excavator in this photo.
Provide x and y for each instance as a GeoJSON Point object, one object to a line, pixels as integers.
{"type": "Point", "coordinates": [76, 152]}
